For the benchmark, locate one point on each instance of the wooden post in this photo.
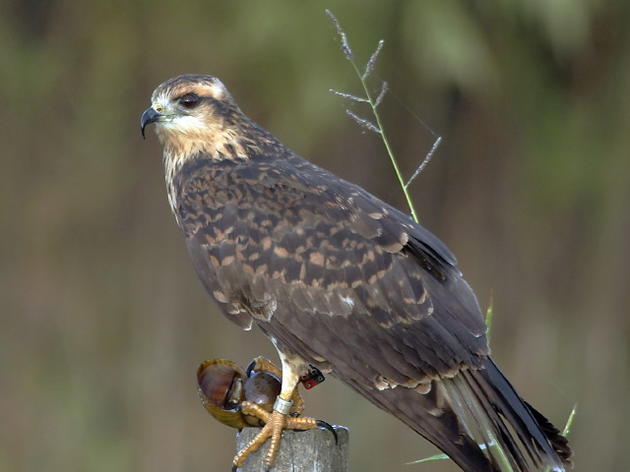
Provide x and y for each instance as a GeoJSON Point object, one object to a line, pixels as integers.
{"type": "Point", "coordinates": [307, 451]}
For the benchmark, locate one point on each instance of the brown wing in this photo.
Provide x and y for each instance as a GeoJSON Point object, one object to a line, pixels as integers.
{"type": "Point", "coordinates": [347, 282]}
{"type": "Point", "coordinates": [330, 271]}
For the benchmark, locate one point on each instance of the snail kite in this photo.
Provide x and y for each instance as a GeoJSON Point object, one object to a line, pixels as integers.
{"type": "Point", "coordinates": [340, 280]}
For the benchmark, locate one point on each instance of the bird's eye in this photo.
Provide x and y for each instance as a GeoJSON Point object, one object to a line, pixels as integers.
{"type": "Point", "coordinates": [190, 100]}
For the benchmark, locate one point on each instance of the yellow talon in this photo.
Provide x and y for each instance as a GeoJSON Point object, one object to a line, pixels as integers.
{"type": "Point", "coordinates": [275, 423]}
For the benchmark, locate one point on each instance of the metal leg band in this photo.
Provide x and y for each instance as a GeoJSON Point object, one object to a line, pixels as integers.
{"type": "Point", "coordinates": [282, 406]}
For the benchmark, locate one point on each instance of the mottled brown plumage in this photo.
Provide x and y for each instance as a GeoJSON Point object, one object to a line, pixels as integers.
{"type": "Point", "coordinates": [341, 280]}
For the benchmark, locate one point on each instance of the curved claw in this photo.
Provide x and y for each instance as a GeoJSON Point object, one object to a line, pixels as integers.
{"type": "Point", "coordinates": [234, 468]}
{"type": "Point", "coordinates": [250, 367]}
{"type": "Point", "coordinates": [324, 425]}
{"type": "Point", "coordinates": [275, 423]}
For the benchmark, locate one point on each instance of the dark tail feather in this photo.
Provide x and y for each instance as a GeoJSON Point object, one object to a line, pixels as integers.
{"type": "Point", "coordinates": [516, 437]}
{"type": "Point", "coordinates": [555, 437]}
{"type": "Point", "coordinates": [480, 422]}
{"type": "Point", "coordinates": [428, 415]}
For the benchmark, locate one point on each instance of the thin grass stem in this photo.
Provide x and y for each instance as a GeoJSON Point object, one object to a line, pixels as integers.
{"type": "Point", "coordinates": [424, 162]}
{"type": "Point", "coordinates": [385, 139]}
{"type": "Point", "coordinates": [374, 103]}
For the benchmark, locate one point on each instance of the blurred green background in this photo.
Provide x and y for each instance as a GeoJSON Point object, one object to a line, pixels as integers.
{"type": "Point", "coordinates": [103, 321]}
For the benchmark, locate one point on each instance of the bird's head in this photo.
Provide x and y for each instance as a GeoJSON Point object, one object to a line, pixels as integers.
{"type": "Point", "coordinates": [192, 113]}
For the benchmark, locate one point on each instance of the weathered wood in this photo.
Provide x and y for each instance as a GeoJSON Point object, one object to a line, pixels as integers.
{"type": "Point", "coordinates": [306, 451]}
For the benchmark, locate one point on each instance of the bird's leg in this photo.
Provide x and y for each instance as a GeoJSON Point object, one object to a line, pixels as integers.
{"type": "Point", "coordinates": [262, 364]}
{"type": "Point", "coordinates": [278, 420]}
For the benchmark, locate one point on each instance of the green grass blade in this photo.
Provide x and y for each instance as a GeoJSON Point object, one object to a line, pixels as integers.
{"type": "Point", "coordinates": [489, 317]}
{"type": "Point", "coordinates": [437, 457]}
{"type": "Point", "coordinates": [567, 427]}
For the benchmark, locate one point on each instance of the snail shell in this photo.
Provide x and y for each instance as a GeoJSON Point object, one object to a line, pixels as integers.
{"type": "Point", "coordinates": [221, 390]}
{"type": "Point", "coordinates": [262, 388]}
{"type": "Point", "coordinates": [223, 386]}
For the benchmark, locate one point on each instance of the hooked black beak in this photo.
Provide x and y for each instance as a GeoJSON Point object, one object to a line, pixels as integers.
{"type": "Point", "coordinates": [149, 116]}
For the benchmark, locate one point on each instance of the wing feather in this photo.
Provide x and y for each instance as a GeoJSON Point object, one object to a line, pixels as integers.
{"type": "Point", "coordinates": [302, 251]}
{"type": "Point", "coordinates": [348, 282]}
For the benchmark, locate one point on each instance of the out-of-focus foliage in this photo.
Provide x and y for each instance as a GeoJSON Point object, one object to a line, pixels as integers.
{"type": "Point", "coordinates": [103, 322]}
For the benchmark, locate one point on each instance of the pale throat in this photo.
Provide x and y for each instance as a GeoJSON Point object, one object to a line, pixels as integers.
{"type": "Point", "coordinates": [183, 145]}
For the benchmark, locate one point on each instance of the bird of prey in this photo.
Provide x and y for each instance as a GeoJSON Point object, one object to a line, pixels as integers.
{"type": "Point", "coordinates": [339, 280]}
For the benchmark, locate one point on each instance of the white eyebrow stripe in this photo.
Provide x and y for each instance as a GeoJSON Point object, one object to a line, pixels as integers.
{"type": "Point", "coordinates": [186, 124]}
{"type": "Point", "coordinates": [161, 101]}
